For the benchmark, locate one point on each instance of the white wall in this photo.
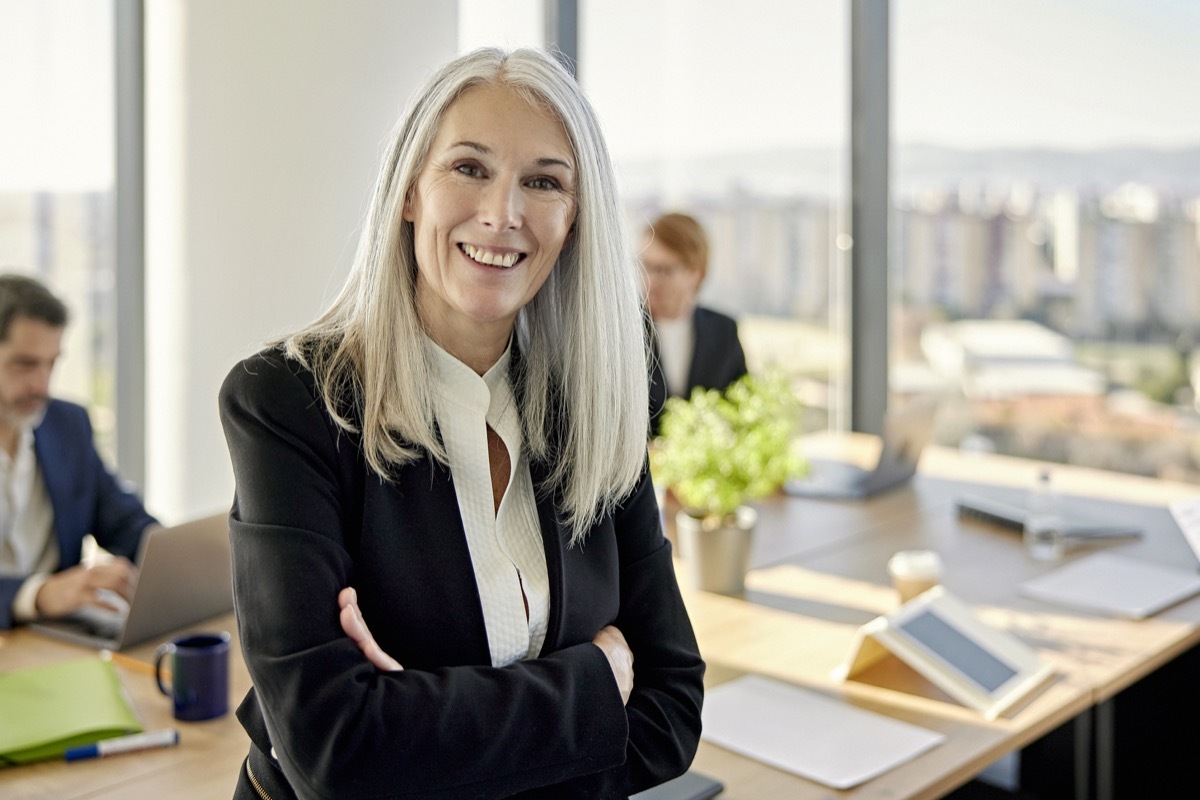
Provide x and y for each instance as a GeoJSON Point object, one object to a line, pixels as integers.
{"type": "Point", "coordinates": [265, 122]}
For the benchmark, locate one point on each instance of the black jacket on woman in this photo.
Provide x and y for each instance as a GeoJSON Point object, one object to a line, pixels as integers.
{"type": "Point", "coordinates": [717, 360]}
{"type": "Point", "coordinates": [309, 518]}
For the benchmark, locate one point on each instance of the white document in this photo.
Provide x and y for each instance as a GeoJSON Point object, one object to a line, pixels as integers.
{"type": "Point", "coordinates": [825, 740]}
{"type": "Point", "coordinates": [1115, 585]}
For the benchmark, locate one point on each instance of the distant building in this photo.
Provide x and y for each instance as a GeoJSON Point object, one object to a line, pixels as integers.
{"type": "Point", "coordinates": [995, 359]}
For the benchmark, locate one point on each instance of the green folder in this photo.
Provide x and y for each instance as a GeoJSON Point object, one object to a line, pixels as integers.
{"type": "Point", "coordinates": [45, 710]}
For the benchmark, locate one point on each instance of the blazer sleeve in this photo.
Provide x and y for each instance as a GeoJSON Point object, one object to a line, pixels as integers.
{"type": "Point", "coordinates": [9, 587]}
{"type": "Point", "coordinates": [718, 358]}
{"type": "Point", "coordinates": [120, 517]}
{"type": "Point", "coordinates": [340, 727]}
{"type": "Point", "coordinates": [664, 708]}
{"type": "Point", "coordinates": [87, 496]}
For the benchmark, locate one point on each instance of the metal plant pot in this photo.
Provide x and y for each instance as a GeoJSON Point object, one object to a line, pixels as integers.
{"type": "Point", "coordinates": [717, 550]}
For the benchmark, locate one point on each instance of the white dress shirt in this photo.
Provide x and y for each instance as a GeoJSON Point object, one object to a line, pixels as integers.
{"type": "Point", "coordinates": [27, 543]}
{"type": "Point", "coordinates": [506, 543]}
{"type": "Point", "coordinates": [676, 340]}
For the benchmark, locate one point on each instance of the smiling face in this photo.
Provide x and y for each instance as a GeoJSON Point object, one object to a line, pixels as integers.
{"type": "Point", "coordinates": [491, 209]}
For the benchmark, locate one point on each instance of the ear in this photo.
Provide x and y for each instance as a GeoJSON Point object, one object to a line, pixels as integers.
{"type": "Point", "coordinates": [407, 212]}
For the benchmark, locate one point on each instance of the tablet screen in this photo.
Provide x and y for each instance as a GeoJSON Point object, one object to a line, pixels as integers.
{"type": "Point", "coordinates": [945, 641]}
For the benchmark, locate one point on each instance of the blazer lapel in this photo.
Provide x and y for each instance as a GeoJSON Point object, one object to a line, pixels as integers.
{"type": "Point", "coordinates": [53, 461]}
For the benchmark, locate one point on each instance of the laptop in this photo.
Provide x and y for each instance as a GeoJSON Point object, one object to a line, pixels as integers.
{"type": "Point", "coordinates": [1075, 527]}
{"type": "Point", "coordinates": [906, 431]}
{"type": "Point", "coordinates": [184, 577]}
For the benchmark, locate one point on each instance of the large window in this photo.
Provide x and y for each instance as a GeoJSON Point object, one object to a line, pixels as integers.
{"type": "Point", "coordinates": [1046, 259]}
{"type": "Point", "coordinates": [56, 179]}
{"type": "Point", "coordinates": [737, 114]}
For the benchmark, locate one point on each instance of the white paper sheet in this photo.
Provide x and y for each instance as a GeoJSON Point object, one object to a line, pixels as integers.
{"type": "Point", "coordinates": [808, 734]}
{"type": "Point", "coordinates": [1111, 584]}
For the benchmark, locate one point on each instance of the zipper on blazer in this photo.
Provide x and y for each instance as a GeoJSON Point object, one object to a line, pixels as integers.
{"type": "Point", "coordinates": [254, 782]}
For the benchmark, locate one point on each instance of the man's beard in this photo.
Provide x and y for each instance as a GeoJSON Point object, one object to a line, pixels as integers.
{"type": "Point", "coordinates": [12, 415]}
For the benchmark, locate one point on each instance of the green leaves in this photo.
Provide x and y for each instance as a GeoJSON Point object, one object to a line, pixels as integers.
{"type": "Point", "coordinates": [718, 450]}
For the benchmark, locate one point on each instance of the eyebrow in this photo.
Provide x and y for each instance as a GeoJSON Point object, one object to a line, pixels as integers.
{"type": "Point", "coordinates": [541, 162]}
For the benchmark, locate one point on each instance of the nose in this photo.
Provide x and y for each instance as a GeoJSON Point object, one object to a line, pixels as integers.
{"type": "Point", "coordinates": [502, 206]}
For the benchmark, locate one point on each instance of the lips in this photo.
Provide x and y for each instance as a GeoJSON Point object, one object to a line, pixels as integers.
{"type": "Point", "coordinates": [491, 258]}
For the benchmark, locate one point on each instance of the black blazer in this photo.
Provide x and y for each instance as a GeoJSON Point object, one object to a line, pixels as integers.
{"type": "Point", "coordinates": [717, 360]}
{"type": "Point", "coordinates": [310, 518]}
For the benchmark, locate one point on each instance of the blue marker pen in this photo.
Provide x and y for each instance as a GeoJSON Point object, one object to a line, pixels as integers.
{"type": "Point", "coordinates": [168, 737]}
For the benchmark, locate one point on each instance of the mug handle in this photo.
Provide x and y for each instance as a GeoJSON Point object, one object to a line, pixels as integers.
{"type": "Point", "coordinates": [162, 652]}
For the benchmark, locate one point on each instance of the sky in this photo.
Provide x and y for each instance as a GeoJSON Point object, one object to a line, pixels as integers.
{"type": "Point", "coordinates": [709, 76]}
{"type": "Point", "coordinates": [702, 77]}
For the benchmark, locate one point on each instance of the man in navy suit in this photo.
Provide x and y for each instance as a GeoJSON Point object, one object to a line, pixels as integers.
{"type": "Point", "coordinates": [54, 487]}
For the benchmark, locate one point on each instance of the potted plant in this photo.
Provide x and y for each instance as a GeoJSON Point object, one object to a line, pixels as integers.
{"type": "Point", "coordinates": [716, 451]}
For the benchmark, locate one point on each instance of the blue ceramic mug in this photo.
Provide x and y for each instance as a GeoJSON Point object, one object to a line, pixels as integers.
{"type": "Point", "coordinates": [199, 675]}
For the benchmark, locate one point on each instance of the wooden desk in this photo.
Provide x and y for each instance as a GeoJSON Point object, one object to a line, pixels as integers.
{"type": "Point", "coordinates": [797, 625]}
{"type": "Point", "coordinates": [204, 765]}
{"type": "Point", "coordinates": [799, 615]}
{"type": "Point", "coordinates": [820, 574]}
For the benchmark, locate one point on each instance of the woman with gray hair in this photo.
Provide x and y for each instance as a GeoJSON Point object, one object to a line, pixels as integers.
{"type": "Point", "coordinates": [448, 565]}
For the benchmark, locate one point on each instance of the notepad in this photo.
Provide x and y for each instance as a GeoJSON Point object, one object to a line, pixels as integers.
{"type": "Point", "coordinates": [809, 734]}
{"type": "Point", "coordinates": [45, 710]}
{"type": "Point", "coordinates": [1111, 584]}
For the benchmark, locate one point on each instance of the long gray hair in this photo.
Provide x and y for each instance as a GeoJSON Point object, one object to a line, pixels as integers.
{"type": "Point", "coordinates": [582, 379]}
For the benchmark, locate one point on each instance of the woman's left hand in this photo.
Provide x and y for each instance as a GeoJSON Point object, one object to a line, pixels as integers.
{"type": "Point", "coordinates": [356, 628]}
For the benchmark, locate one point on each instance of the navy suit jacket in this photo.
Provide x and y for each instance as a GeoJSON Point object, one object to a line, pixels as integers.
{"type": "Point", "coordinates": [85, 496]}
{"type": "Point", "coordinates": [310, 518]}
{"type": "Point", "coordinates": [717, 360]}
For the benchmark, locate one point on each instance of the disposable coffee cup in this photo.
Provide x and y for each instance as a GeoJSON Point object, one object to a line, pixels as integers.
{"type": "Point", "coordinates": [914, 571]}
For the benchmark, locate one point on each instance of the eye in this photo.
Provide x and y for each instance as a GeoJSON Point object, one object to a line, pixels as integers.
{"type": "Point", "coordinates": [543, 183]}
{"type": "Point", "coordinates": [471, 170]}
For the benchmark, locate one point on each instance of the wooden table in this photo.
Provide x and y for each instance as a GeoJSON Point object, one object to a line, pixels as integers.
{"type": "Point", "coordinates": [204, 765]}
{"type": "Point", "coordinates": [820, 574]}
{"type": "Point", "coordinates": [799, 615]}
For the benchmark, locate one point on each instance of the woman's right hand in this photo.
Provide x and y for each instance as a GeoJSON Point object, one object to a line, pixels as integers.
{"type": "Point", "coordinates": [620, 658]}
{"type": "Point", "coordinates": [356, 628]}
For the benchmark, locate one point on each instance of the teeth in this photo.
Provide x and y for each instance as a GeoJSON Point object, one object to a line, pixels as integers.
{"type": "Point", "coordinates": [489, 258]}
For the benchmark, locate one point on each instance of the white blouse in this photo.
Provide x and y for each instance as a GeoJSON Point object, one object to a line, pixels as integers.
{"type": "Point", "coordinates": [505, 544]}
{"type": "Point", "coordinates": [676, 340]}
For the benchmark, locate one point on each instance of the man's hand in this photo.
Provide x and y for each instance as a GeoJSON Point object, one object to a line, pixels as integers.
{"type": "Point", "coordinates": [356, 628]}
{"type": "Point", "coordinates": [70, 590]}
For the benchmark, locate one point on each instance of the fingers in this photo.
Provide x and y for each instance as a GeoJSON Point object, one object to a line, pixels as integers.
{"type": "Point", "coordinates": [115, 575]}
{"type": "Point", "coordinates": [356, 628]}
{"type": "Point", "coordinates": [620, 658]}
{"type": "Point", "coordinates": [71, 589]}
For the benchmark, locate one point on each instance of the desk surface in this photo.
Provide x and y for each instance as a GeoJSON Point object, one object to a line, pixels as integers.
{"type": "Point", "coordinates": [204, 765]}
{"type": "Point", "coordinates": [800, 613]}
{"type": "Point", "coordinates": [820, 575]}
